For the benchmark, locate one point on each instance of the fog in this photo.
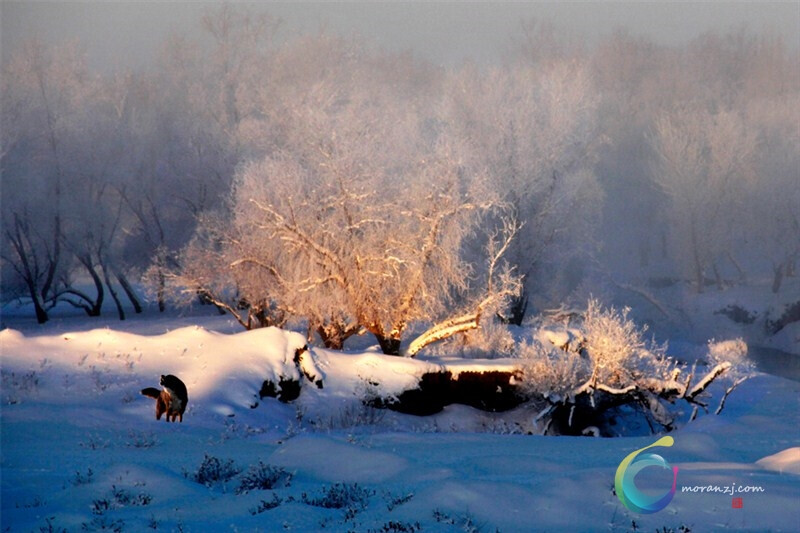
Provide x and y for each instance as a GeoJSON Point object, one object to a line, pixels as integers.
{"type": "Point", "coordinates": [128, 34]}
{"type": "Point", "coordinates": [518, 157]}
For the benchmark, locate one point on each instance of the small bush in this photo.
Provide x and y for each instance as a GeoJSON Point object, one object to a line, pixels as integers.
{"type": "Point", "coordinates": [466, 522]}
{"type": "Point", "coordinates": [95, 442]}
{"type": "Point", "coordinates": [101, 506]}
{"type": "Point", "coordinates": [552, 372]}
{"type": "Point", "coordinates": [14, 385]}
{"type": "Point", "coordinates": [102, 523]}
{"type": "Point", "coordinates": [341, 495]}
{"type": "Point", "coordinates": [352, 414]}
{"type": "Point", "coordinates": [50, 527]}
{"type": "Point", "coordinates": [733, 351]}
{"type": "Point", "coordinates": [124, 498]}
{"type": "Point", "coordinates": [120, 498]}
{"type": "Point", "coordinates": [617, 349]}
{"type": "Point", "coordinates": [213, 471]}
{"type": "Point", "coordinates": [141, 440]}
{"type": "Point", "coordinates": [397, 527]}
{"type": "Point", "coordinates": [393, 501]}
{"type": "Point", "coordinates": [265, 505]}
{"type": "Point", "coordinates": [263, 477]}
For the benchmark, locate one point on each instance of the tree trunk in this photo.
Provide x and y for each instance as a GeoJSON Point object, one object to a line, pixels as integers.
{"type": "Point", "coordinates": [97, 306]}
{"type": "Point", "coordinates": [113, 293]}
{"type": "Point", "coordinates": [27, 269]}
{"type": "Point", "coordinates": [644, 252]}
{"type": "Point", "coordinates": [738, 267]}
{"type": "Point", "coordinates": [129, 292]}
{"type": "Point", "coordinates": [161, 291]}
{"type": "Point", "coordinates": [699, 276]}
{"type": "Point", "coordinates": [389, 345]}
{"type": "Point", "coordinates": [718, 278]}
{"type": "Point", "coordinates": [777, 278]}
{"type": "Point", "coordinates": [92, 307]}
{"type": "Point", "coordinates": [516, 309]}
{"type": "Point", "coordinates": [41, 312]}
{"type": "Point", "coordinates": [443, 330]}
{"type": "Point", "coordinates": [334, 334]}
{"type": "Point", "coordinates": [332, 342]}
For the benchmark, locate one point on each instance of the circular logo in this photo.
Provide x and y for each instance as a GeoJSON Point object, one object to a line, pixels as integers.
{"type": "Point", "coordinates": [624, 481]}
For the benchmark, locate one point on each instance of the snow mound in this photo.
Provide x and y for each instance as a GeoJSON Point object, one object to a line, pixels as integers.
{"type": "Point", "coordinates": [228, 370]}
{"type": "Point", "coordinates": [785, 462]}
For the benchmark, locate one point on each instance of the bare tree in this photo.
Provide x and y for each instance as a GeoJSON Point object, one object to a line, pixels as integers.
{"type": "Point", "coordinates": [36, 103]}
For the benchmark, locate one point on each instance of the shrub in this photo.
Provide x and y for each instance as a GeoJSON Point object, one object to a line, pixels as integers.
{"type": "Point", "coordinates": [263, 477]}
{"type": "Point", "coordinates": [213, 470]}
{"type": "Point", "coordinates": [81, 479]}
{"type": "Point", "coordinates": [265, 505]}
{"type": "Point", "coordinates": [341, 495]}
{"type": "Point", "coordinates": [50, 527]}
{"type": "Point", "coordinates": [613, 371]}
{"type": "Point", "coordinates": [393, 501]}
{"type": "Point", "coordinates": [615, 346]}
{"type": "Point", "coordinates": [733, 351]}
{"type": "Point", "coordinates": [551, 372]}
{"type": "Point", "coordinates": [102, 523]}
{"type": "Point", "coordinates": [393, 526]}
{"type": "Point", "coordinates": [120, 498]}
{"type": "Point", "coordinates": [141, 439]}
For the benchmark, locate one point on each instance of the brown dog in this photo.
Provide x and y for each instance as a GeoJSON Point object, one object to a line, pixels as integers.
{"type": "Point", "coordinates": [172, 399]}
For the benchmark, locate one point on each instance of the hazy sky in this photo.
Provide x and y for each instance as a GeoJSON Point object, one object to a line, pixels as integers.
{"type": "Point", "coordinates": [127, 34]}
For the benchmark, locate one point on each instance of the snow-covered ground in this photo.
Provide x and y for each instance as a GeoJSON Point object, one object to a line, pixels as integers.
{"type": "Point", "coordinates": [81, 449]}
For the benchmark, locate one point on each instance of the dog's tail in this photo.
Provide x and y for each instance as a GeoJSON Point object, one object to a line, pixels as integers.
{"type": "Point", "coordinates": [151, 392]}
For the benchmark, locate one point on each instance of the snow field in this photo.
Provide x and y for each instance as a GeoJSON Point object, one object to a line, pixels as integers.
{"type": "Point", "coordinates": [81, 449]}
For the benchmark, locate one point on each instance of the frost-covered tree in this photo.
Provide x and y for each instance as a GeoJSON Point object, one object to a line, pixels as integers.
{"type": "Point", "coordinates": [186, 133]}
{"type": "Point", "coordinates": [772, 207]}
{"type": "Point", "coordinates": [704, 160]}
{"type": "Point", "coordinates": [533, 128]}
{"type": "Point", "coordinates": [357, 221]}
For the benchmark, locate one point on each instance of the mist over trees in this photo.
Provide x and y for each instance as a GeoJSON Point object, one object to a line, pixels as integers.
{"type": "Point", "coordinates": [320, 179]}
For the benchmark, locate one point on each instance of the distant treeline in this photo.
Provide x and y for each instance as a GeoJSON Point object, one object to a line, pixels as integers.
{"type": "Point", "coordinates": [324, 179]}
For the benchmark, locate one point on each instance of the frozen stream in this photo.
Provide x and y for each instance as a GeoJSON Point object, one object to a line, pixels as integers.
{"type": "Point", "coordinates": [776, 362]}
